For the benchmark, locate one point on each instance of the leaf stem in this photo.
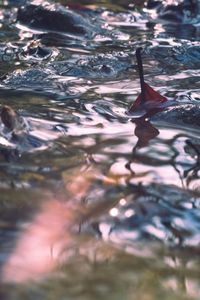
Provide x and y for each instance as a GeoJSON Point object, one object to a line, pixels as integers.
{"type": "Point", "coordinates": [141, 74]}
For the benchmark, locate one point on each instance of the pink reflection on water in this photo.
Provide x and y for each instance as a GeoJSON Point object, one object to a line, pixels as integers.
{"type": "Point", "coordinates": [39, 247]}
{"type": "Point", "coordinates": [47, 240]}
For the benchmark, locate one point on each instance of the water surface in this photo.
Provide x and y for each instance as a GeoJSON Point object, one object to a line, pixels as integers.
{"type": "Point", "coordinates": [93, 204]}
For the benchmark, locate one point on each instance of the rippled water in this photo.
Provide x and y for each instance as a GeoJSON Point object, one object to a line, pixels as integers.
{"type": "Point", "coordinates": [94, 204]}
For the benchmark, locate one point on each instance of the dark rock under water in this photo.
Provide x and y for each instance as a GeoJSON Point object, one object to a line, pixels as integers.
{"type": "Point", "coordinates": [182, 114]}
{"type": "Point", "coordinates": [51, 17]}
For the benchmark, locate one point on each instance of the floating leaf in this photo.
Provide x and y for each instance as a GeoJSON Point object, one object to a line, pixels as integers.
{"type": "Point", "coordinates": [152, 100]}
{"type": "Point", "coordinates": [149, 100]}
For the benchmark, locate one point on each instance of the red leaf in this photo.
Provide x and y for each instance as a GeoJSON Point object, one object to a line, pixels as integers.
{"type": "Point", "coordinates": [153, 100]}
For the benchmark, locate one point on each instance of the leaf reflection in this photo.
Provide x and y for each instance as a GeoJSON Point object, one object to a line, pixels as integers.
{"type": "Point", "coordinates": [144, 131]}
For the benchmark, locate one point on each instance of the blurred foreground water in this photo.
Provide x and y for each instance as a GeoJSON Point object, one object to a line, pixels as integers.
{"type": "Point", "coordinates": [95, 205]}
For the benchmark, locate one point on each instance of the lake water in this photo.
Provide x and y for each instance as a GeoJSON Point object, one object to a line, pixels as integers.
{"type": "Point", "coordinates": [93, 204]}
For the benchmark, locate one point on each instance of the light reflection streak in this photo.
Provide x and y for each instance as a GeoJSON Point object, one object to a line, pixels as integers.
{"type": "Point", "coordinates": [122, 202]}
{"type": "Point", "coordinates": [114, 212]}
{"type": "Point", "coordinates": [39, 247]}
{"type": "Point", "coordinates": [129, 213]}
{"type": "Point", "coordinates": [47, 240]}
